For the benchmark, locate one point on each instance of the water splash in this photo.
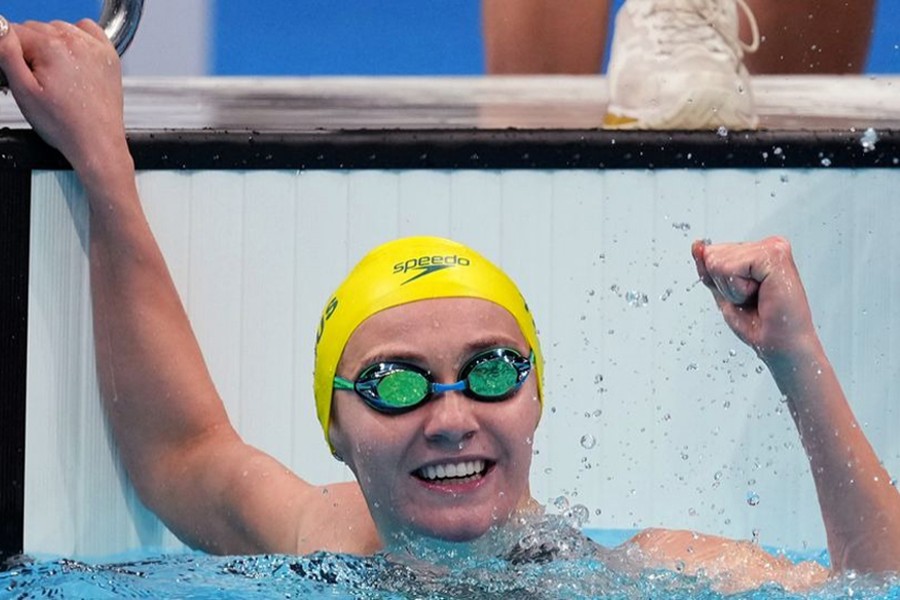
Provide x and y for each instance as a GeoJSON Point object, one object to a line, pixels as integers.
{"type": "Point", "coordinates": [868, 140]}
{"type": "Point", "coordinates": [549, 560]}
{"type": "Point", "coordinates": [636, 298]}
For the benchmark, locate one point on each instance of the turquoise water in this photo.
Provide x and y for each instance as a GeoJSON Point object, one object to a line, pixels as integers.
{"type": "Point", "coordinates": [325, 575]}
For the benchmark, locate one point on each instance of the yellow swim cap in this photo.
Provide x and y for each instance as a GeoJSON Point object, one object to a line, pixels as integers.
{"type": "Point", "coordinates": [403, 271]}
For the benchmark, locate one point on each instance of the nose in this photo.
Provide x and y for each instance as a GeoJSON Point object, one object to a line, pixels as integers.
{"type": "Point", "coordinates": [450, 419]}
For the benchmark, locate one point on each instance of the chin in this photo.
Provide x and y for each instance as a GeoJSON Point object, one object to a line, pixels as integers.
{"type": "Point", "coordinates": [465, 527]}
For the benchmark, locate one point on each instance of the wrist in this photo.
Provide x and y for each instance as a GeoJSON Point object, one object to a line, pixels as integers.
{"type": "Point", "coordinates": [105, 169]}
{"type": "Point", "coordinates": [799, 369]}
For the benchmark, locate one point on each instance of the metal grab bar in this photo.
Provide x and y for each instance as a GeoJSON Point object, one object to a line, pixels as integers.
{"type": "Point", "coordinates": [119, 20]}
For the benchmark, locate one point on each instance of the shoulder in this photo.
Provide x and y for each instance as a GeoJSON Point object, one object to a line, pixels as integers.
{"type": "Point", "coordinates": [732, 565]}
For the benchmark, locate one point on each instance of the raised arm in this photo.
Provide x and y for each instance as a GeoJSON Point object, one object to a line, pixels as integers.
{"type": "Point", "coordinates": [181, 452]}
{"type": "Point", "coordinates": [758, 289]}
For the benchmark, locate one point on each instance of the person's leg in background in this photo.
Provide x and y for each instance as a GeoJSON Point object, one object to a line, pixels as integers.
{"type": "Point", "coordinates": [811, 36]}
{"type": "Point", "coordinates": [569, 36]}
{"type": "Point", "coordinates": [544, 36]}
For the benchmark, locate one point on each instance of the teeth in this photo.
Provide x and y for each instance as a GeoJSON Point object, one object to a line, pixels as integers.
{"type": "Point", "coordinates": [463, 469]}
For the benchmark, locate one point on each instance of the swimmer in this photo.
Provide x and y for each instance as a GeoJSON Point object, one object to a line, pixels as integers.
{"type": "Point", "coordinates": [428, 377]}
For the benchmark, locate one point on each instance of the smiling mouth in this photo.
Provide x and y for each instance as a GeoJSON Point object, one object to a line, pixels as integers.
{"type": "Point", "coordinates": [460, 472]}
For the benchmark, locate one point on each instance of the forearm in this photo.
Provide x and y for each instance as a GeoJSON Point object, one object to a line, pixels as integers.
{"type": "Point", "coordinates": [186, 461]}
{"type": "Point", "coordinates": [860, 506]}
{"type": "Point", "coordinates": [153, 380]}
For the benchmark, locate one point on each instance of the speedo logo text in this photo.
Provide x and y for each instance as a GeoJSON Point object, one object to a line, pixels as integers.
{"type": "Point", "coordinates": [426, 265]}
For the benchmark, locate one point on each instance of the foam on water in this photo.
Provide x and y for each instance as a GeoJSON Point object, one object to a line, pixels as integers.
{"type": "Point", "coordinates": [564, 565]}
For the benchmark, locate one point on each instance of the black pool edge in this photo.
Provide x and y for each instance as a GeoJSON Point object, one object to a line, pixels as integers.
{"type": "Point", "coordinates": [481, 149]}
{"type": "Point", "coordinates": [15, 208]}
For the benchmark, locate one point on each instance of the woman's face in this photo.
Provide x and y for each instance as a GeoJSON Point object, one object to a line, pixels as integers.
{"type": "Point", "coordinates": [398, 459]}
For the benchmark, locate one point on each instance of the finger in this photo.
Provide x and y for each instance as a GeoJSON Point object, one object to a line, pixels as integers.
{"type": "Point", "coordinates": [698, 249]}
{"type": "Point", "coordinates": [12, 61]}
{"type": "Point", "coordinates": [736, 270]}
{"type": "Point", "coordinates": [39, 27]}
{"type": "Point", "coordinates": [698, 252]}
{"type": "Point", "coordinates": [735, 288]}
{"type": "Point", "coordinates": [65, 27]}
{"type": "Point", "coordinates": [92, 29]}
{"type": "Point", "coordinates": [77, 33]}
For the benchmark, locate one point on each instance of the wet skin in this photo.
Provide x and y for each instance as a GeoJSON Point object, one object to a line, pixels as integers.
{"type": "Point", "coordinates": [395, 457]}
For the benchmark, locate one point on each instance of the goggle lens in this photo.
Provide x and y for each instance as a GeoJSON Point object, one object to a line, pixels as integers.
{"type": "Point", "coordinates": [402, 388]}
{"type": "Point", "coordinates": [492, 378]}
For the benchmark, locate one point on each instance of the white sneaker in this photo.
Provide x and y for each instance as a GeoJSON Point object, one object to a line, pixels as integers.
{"type": "Point", "coordinates": [677, 64]}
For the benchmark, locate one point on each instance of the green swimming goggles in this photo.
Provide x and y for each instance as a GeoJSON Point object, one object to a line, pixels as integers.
{"type": "Point", "coordinates": [394, 387]}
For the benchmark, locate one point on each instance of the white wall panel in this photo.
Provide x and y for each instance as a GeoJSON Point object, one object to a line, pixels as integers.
{"type": "Point", "coordinates": [684, 422]}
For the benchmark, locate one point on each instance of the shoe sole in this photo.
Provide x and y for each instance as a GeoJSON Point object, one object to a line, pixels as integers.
{"type": "Point", "coordinates": [713, 108]}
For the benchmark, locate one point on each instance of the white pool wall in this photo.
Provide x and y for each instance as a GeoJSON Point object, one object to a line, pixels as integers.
{"type": "Point", "coordinates": [688, 426]}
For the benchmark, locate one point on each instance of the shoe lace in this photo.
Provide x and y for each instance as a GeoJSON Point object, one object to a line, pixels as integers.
{"type": "Point", "coordinates": [678, 22]}
{"type": "Point", "coordinates": [753, 46]}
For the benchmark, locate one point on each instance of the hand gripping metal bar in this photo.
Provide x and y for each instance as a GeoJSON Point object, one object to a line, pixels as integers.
{"type": "Point", "coordinates": [120, 20]}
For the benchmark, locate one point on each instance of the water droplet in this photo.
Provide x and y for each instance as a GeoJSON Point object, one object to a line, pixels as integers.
{"type": "Point", "coordinates": [636, 298]}
{"type": "Point", "coordinates": [825, 162]}
{"type": "Point", "coordinates": [588, 441]}
{"type": "Point", "coordinates": [561, 503]}
{"type": "Point", "coordinates": [868, 140]}
{"type": "Point", "coordinates": [579, 515]}
{"type": "Point", "coordinates": [752, 498]}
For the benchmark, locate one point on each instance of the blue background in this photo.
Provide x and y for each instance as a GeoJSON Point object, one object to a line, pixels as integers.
{"type": "Point", "coordinates": [363, 37]}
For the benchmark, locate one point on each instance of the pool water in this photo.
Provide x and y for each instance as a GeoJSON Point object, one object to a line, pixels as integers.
{"type": "Point", "coordinates": [575, 575]}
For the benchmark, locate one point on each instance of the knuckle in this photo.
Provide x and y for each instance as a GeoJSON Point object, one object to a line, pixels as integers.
{"type": "Point", "coordinates": [55, 43]}
{"type": "Point", "coordinates": [780, 245]}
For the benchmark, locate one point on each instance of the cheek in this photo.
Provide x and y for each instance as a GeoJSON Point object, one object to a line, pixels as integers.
{"type": "Point", "coordinates": [518, 422]}
{"type": "Point", "coordinates": [531, 406]}
{"type": "Point", "coordinates": [364, 441]}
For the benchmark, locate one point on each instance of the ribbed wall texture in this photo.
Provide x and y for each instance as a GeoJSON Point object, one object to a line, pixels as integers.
{"type": "Point", "coordinates": [655, 413]}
